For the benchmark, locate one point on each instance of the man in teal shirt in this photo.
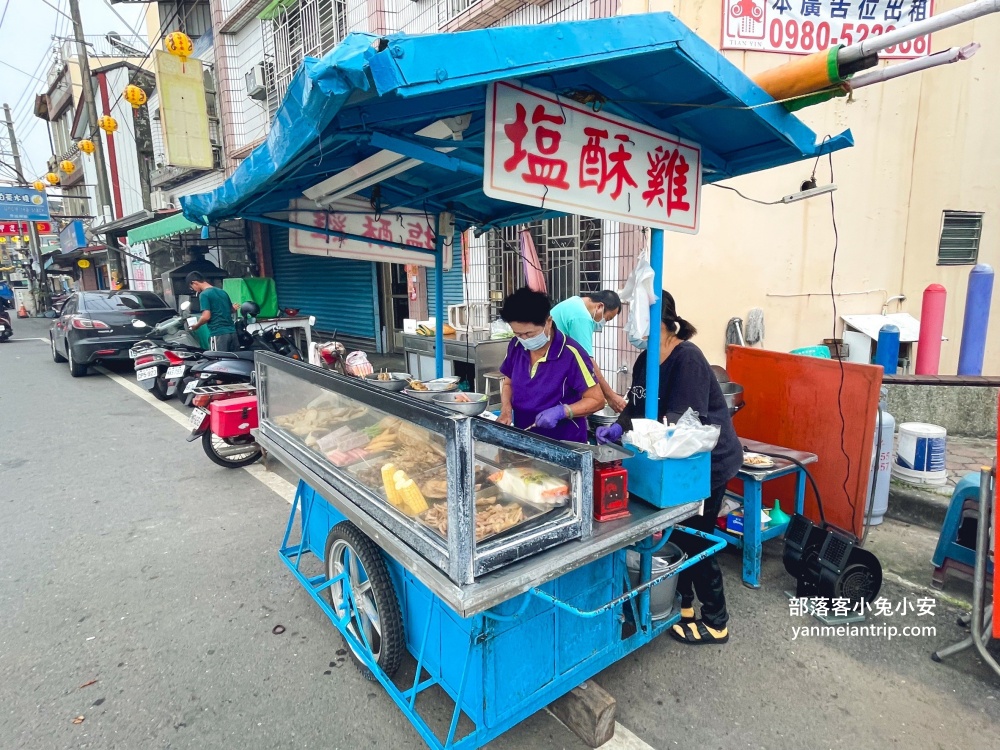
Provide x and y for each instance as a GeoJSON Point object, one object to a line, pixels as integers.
{"type": "Point", "coordinates": [583, 316]}
{"type": "Point", "coordinates": [216, 313]}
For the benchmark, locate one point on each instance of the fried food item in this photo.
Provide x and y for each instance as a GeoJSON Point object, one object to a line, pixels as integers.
{"type": "Point", "coordinates": [435, 489]}
{"type": "Point", "coordinates": [461, 398]}
{"type": "Point", "coordinates": [492, 520]}
{"type": "Point", "coordinates": [756, 459]}
{"type": "Point", "coordinates": [416, 385]}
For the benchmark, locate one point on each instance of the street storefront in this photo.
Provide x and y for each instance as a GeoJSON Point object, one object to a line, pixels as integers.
{"type": "Point", "coordinates": [498, 558]}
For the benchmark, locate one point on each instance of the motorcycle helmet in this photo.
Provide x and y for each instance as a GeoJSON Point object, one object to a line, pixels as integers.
{"type": "Point", "coordinates": [249, 309]}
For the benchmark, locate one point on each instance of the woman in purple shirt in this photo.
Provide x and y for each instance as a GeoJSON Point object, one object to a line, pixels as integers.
{"type": "Point", "coordinates": [549, 386]}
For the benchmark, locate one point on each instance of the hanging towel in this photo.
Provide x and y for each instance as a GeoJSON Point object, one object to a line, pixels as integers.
{"type": "Point", "coordinates": [533, 275]}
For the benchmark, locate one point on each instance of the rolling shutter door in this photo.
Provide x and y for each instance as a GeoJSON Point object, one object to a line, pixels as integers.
{"type": "Point", "coordinates": [339, 292]}
{"type": "Point", "coordinates": [453, 291]}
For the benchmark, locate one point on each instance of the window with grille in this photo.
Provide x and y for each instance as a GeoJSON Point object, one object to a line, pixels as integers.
{"type": "Point", "coordinates": [309, 28]}
{"type": "Point", "coordinates": [569, 254]}
{"type": "Point", "coordinates": [960, 233]}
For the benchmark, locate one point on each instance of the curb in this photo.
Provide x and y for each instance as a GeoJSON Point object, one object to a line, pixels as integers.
{"type": "Point", "coordinates": [917, 507]}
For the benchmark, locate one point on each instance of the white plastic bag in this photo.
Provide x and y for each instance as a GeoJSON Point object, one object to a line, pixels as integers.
{"type": "Point", "coordinates": [687, 437]}
{"type": "Point", "coordinates": [640, 295]}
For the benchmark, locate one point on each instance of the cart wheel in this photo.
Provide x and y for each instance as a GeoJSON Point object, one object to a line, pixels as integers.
{"type": "Point", "coordinates": [375, 617]}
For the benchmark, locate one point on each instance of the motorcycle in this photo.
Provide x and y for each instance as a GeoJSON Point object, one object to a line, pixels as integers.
{"type": "Point", "coordinates": [6, 329]}
{"type": "Point", "coordinates": [228, 368]}
{"type": "Point", "coordinates": [225, 430]}
{"type": "Point", "coordinates": [162, 360]}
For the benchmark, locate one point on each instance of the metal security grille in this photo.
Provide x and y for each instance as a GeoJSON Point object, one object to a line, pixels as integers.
{"type": "Point", "coordinates": [960, 233]}
{"type": "Point", "coordinates": [309, 28]}
{"type": "Point", "coordinates": [569, 254]}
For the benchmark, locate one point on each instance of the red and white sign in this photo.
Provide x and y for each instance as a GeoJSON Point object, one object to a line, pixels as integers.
{"type": "Point", "coordinates": [351, 216]}
{"type": "Point", "coordinates": [801, 27]}
{"type": "Point", "coordinates": [555, 153]}
{"type": "Point", "coordinates": [13, 227]}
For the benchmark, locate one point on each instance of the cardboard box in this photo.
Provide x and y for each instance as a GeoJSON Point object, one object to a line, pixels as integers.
{"type": "Point", "coordinates": [734, 521]}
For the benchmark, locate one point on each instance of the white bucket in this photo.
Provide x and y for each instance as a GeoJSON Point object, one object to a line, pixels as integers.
{"type": "Point", "coordinates": [920, 454]}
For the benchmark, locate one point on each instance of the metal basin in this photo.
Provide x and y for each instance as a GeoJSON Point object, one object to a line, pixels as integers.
{"type": "Point", "coordinates": [734, 396]}
{"type": "Point", "coordinates": [605, 416]}
{"type": "Point", "coordinates": [475, 406]}
{"type": "Point", "coordinates": [398, 381]}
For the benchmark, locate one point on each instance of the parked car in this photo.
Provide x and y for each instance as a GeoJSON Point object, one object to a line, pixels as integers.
{"type": "Point", "coordinates": [96, 327]}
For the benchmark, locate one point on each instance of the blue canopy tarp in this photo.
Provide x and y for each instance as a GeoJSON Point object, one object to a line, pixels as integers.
{"type": "Point", "coordinates": [369, 90]}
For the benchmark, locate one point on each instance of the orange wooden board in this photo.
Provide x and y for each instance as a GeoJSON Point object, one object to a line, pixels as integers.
{"type": "Point", "coordinates": [792, 401]}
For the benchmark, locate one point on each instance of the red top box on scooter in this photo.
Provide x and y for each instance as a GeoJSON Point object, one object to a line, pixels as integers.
{"type": "Point", "coordinates": [233, 416]}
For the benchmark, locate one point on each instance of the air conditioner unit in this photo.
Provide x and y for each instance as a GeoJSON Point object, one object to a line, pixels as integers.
{"type": "Point", "coordinates": [255, 82]}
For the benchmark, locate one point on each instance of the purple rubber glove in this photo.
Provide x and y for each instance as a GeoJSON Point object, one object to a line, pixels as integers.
{"type": "Point", "coordinates": [611, 433]}
{"type": "Point", "coordinates": [549, 418]}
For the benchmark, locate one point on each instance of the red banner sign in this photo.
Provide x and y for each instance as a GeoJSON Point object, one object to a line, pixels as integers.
{"type": "Point", "coordinates": [13, 227]}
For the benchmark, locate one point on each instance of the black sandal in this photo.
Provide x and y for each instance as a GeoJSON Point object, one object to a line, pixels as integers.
{"type": "Point", "coordinates": [697, 633]}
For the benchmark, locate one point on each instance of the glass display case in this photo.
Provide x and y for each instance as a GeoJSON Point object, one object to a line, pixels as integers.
{"type": "Point", "coordinates": [465, 494]}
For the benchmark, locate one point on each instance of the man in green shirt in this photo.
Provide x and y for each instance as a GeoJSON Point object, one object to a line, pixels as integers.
{"type": "Point", "coordinates": [216, 313]}
{"type": "Point", "coordinates": [583, 316]}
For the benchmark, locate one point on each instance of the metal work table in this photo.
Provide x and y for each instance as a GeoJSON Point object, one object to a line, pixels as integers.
{"type": "Point", "coordinates": [508, 582]}
{"type": "Point", "coordinates": [476, 348]}
{"type": "Point", "coordinates": [753, 482]}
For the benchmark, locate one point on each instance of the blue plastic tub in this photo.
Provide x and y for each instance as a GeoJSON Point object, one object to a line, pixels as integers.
{"type": "Point", "coordinates": [666, 482]}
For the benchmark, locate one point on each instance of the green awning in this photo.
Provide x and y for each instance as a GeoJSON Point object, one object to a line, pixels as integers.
{"type": "Point", "coordinates": [274, 8]}
{"type": "Point", "coordinates": [157, 230]}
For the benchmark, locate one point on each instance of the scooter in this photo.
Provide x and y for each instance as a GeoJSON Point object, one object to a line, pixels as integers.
{"type": "Point", "coordinates": [6, 329]}
{"type": "Point", "coordinates": [222, 417]}
{"type": "Point", "coordinates": [162, 360]}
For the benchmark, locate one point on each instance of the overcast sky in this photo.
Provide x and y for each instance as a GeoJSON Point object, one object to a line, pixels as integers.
{"type": "Point", "coordinates": [26, 33]}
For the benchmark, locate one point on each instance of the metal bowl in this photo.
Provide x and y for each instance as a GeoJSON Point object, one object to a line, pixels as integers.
{"type": "Point", "coordinates": [734, 396]}
{"type": "Point", "coordinates": [399, 381]}
{"type": "Point", "coordinates": [604, 417]}
{"type": "Point", "coordinates": [422, 395]}
{"type": "Point", "coordinates": [474, 407]}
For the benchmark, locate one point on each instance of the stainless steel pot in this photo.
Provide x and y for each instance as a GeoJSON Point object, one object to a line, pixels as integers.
{"type": "Point", "coordinates": [734, 396]}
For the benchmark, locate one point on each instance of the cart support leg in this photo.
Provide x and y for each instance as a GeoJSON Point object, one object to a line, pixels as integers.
{"type": "Point", "coordinates": [439, 305]}
{"type": "Point", "coordinates": [800, 492]}
{"type": "Point", "coordinates": [752, 509]}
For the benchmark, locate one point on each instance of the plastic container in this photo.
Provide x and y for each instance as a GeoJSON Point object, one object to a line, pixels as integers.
{"type": "Point", "coordinates": [821, 352]}
{"type": "Point", "coordinates": [233, 416]}
{"type": "Point", "coordinates": [662, 596]}
{"type": "Point", "coordinates": [666, 482]}
{"type": "Point", "coordinates": [920, 454]}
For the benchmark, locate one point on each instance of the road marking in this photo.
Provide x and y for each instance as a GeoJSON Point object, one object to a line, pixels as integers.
{"type": "Point", "coordinates": [280, 486]}
{"type": "Point", "coordinates": [623, 738]}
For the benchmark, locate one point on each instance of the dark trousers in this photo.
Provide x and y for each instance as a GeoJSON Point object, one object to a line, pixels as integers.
{"type": "Point", "coordinates": [705, 578]}
{"type": "Point", "coordinates": [225, 342]}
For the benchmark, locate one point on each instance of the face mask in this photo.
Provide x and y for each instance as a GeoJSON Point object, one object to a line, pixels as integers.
{"type": "Point", "coordinates": [639, 344]}
{"type": "Point", "coordinates": [535, 342]}
{"type": "Point", "coordinates": [599, 321]}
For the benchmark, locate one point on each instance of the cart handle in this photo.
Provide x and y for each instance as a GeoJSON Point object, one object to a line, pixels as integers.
{"type": "Point", "coordinates": [683, 564]}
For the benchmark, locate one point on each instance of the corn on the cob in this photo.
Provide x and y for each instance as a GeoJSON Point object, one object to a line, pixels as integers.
{"type": "Point", "coordinates": [411, 497]}
{"type": "Point", "coordinates": [389, 483]}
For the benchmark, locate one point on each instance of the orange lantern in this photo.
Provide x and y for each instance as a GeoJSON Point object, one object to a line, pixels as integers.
{"type": "Point", "coordinates": [67, 166]}
{"type": "Point", "coordinates": [179, 44]}
{"type": "Point", "coordinates": [53, 178]}
{"type": "Point", "coordinates": [135, 96]}
{"type": "Point", "coordinates": [86, 146]}
{"type": "Point", "coordinates": [108, 124]}
{"type": "Point", "coordinates": [38, 185]}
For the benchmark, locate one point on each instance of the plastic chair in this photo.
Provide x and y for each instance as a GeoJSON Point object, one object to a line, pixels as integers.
{"type": "Point", "coordinates": [949, 555]}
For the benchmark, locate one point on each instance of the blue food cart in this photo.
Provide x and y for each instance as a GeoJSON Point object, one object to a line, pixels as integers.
{"type": "Point", "coordinates": [504, 606]}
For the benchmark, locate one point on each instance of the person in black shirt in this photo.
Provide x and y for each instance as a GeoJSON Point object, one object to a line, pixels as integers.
{"type": "Point", "coordinates": [687, 381]}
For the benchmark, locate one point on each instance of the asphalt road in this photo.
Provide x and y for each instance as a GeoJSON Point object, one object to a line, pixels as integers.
{"type": "Point", "coordinates": [129, 559]}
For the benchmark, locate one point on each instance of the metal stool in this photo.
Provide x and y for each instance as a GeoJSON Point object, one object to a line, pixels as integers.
{"type": "Point", "coordinates": [494, 379]}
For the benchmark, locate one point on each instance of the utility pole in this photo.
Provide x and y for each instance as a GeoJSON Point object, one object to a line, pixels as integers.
{"type": "Point", "coordinates": [35, 245]}
{"type": "Point", "coordinates": [90, 110]}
